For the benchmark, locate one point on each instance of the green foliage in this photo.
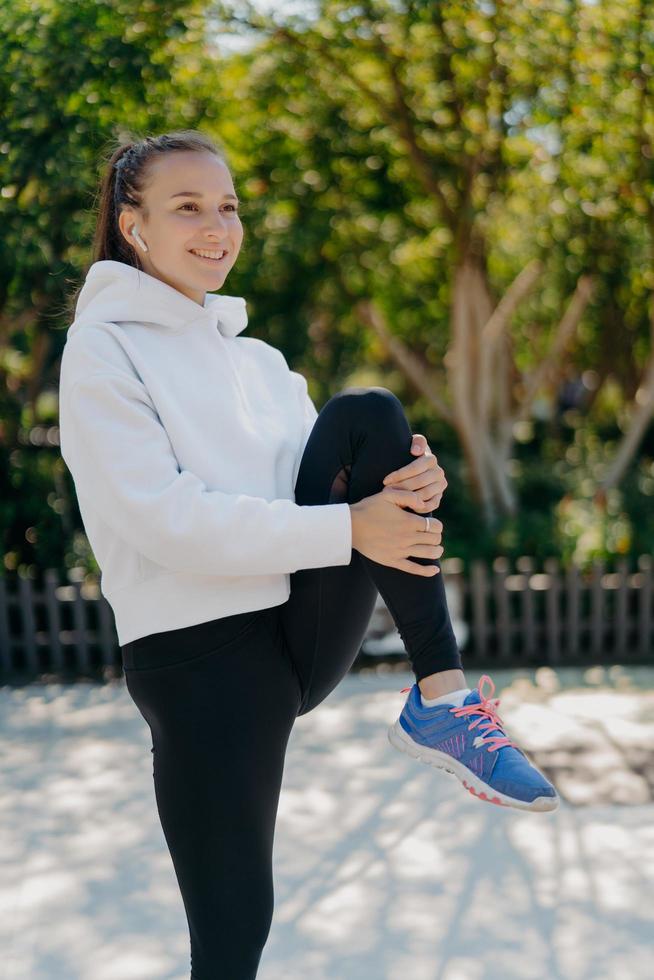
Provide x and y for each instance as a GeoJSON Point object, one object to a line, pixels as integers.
{"type": "Point", "coordinates": [363, 144]}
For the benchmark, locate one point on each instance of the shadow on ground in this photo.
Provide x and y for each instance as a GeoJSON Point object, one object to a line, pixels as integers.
{"type": "Point", "coordinates": [385, 869]}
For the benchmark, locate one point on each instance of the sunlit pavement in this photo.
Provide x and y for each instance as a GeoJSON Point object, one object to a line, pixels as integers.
{"type": "Point", "coordinates": [384, 868]}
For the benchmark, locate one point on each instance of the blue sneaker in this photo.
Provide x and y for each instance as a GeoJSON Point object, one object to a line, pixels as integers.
{"type": "Point", "coordinates": [470, 743]}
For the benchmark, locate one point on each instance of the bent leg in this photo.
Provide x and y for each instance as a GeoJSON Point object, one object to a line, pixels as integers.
{"type": "Point", "coordinates": [360, 435]}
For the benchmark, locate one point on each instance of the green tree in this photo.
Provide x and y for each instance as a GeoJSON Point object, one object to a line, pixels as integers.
{"type": "Point", "coordinates": [74, 75]}
{"type": "Point", "coordinates": [470, 119]}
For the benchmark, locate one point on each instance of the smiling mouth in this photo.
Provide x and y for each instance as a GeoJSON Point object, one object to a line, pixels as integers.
{"type": "Point", "coordinates": [210, 255]}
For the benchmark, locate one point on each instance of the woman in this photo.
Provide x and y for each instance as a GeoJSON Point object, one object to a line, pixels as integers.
{"type": "Point", "coordinates": [243, 537]}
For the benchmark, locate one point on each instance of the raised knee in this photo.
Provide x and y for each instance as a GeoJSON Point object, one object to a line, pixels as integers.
{"type": "Point", "coordinates": [374, 398]}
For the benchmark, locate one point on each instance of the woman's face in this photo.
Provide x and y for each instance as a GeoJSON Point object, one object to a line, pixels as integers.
{"type": "Point", "coordinates": [178, 224]}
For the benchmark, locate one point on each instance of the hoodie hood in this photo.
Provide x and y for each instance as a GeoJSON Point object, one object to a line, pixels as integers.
{"type": "Point", "coordinates": [117, 292]}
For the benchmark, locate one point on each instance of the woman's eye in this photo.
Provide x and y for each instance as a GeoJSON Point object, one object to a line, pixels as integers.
{"type": "Point", "coordinates": [190, 204]}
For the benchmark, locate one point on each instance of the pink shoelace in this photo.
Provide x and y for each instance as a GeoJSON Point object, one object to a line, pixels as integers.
{"type": "Point", "coordinates": [488, 717]}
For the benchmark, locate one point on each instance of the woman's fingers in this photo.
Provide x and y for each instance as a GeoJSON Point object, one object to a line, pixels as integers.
{"type": "Point", "coordinates": [433, 502]}
{"type": "Point", "coordinates": [427, 571]}
{"type": "Point", "coordinates": [431, 536]}
{"type": "Point", "coordinates": [426, 551]}
{"type": "Point", "coordinates": [424, 543]}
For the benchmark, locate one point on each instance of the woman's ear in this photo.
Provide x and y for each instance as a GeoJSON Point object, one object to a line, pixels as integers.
{"type": "Point", "coordinates": [126, 221]}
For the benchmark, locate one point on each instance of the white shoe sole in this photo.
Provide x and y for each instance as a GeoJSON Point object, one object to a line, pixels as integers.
{"type": "Point", "coordinates": [400, 740]}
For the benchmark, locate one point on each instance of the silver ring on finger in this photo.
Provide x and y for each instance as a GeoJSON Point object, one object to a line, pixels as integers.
{"type": "Point", "coordinates": [427, 528]}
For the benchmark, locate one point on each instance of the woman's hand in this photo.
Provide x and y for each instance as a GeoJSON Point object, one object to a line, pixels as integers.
{"type": "Point", "coordinates": [382, 531]}
{"type": "Point", "coordinates": [424, 475]}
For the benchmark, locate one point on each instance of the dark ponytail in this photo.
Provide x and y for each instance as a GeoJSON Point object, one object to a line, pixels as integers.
{"type": "Point", "coordinates": [123, 182]}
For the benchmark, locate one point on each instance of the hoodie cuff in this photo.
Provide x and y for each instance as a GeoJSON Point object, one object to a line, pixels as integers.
{"type": "Point", "coordinates": [327, 537]}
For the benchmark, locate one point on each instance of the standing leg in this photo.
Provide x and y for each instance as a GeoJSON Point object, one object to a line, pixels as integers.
{"type": "Point", "coordinates": [360, 435]}
{"type": "Point", "coordinates": [220, 703]}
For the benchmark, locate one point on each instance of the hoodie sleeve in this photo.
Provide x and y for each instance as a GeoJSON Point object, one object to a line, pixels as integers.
{"type": "Point", "coordinates": [121, 459]}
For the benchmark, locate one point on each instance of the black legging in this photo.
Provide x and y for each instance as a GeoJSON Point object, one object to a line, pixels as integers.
{"type": "Point", "coordinates": [221, 697]}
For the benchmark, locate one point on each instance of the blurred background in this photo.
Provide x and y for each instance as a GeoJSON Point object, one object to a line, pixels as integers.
{"type": "Point", "coordinates": [455, 201]}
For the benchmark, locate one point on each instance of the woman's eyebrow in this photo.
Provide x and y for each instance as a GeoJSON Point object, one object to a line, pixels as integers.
{"type": "Point", "coordinates": [198, 194]}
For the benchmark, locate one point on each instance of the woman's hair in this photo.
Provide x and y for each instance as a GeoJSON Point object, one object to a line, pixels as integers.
{"type": "Point", "coordinates": [126, 172]}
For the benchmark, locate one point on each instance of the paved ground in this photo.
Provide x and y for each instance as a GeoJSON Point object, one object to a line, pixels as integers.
{"type": "Point", "coordinates": [385, 869]}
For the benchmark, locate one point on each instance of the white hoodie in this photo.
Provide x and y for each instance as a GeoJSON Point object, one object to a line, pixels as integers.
{"type": "Point", "coordinates": [184, 441]}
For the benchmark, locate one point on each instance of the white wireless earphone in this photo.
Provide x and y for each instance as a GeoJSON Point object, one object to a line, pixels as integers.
{"type": "Point", "coordinates": [135, 234]}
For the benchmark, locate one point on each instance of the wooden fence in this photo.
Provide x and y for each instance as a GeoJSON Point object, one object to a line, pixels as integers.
{"type": "Point", "coordinates": [513, 616]}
